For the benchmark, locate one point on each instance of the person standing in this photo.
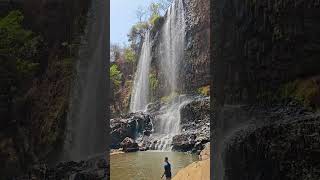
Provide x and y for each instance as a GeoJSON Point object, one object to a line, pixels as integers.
{"type": "Point", "coordinates": [167, 169]}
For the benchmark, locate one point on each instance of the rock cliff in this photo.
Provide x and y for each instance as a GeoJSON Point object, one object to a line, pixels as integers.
{"type": "Point", "coordinates": [194, 68]}
{"type": "Point", "coordinates": [38, 112]}
{"type": "Point", "coordinates": [261, 49]}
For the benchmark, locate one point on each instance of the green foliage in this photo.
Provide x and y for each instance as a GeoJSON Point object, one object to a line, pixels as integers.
{"type": "Point", "coordinates": [169, 98]}
{"type": "Point", "coordinates": [303, 91]}
{"type": "Point", "coordinates": [20, 42]}
{"type": "Point", "coordinates": [137, 31]}
{"type": "Point", "coordinates": [154, 9]}
{"type": "Point", "coordinates": [18, 45]}
{"type": "Point", "coordinates": [26, 69]}
{"type": "Point", "coordinates": [153, 81]}
{"type": "Point", "coordinates": [204, 90]}
{"type": "Point", "coordinates": [136, 35]}
{"type": "Point", "coordinates": [129, 55]}
{"type": "Point", "coordinates": [115, 75]}
{"type": "Point", "coordinates": [155, 20]}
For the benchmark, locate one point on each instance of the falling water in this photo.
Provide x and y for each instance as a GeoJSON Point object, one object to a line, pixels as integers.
{"type": "Point", "coordinates": [140, 93]}
{"type": "Point", "coordinates": [86, 119]}
{"type": "Point", "coordinates": [169, 122]}
{"type": "Point", "coordinates": [172, 45]}
{"type": "Point", "coordinates": [170, 56]}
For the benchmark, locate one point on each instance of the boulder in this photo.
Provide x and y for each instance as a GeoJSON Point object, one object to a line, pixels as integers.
{"type": "Point", "coordinates": [197, 111]}
{"type": "Point", "coordinates": [131, 126]}
{"type": "Point", "coordinates": [205, 153]}
{"type": "Point", "coordinates": [129, 145]}
{"type": "Point", "coordinates": [183, 142]}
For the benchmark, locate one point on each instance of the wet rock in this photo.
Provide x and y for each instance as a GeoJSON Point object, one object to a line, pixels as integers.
{"type": "Point", "coordinates": [129, 145]}
{"type": "Point", "coordinates": [205, 153]}
{"type": "Point", "coordinates": [131, 126]}
{"type": "Point", "coordinates": [281, 150]}
{"type": "Point", "coordinates": [195, 114]}
{"type": "Point", "coordinates": [195, 122]}
{"type": "Point", "coordinates": [183, 142]}
{"type": "Point", "coordinates": [154, 107]}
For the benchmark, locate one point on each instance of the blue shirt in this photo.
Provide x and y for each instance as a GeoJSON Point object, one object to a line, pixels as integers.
{"type": "Point", "coordinates": [167, 169]}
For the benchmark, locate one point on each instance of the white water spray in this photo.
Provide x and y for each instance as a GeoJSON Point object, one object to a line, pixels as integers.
{"type": "Point", "coordinates": [140, 92]}
{"type": "Point", "coordinates": [170, 56]}
{"type": "Point", "coordinates": [172, 45]}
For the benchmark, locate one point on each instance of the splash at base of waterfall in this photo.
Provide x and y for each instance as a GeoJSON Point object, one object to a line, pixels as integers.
{"type": "Point", "coordinates": [166, 124]}
{"type": "Point", "coordinates": [164, 143]}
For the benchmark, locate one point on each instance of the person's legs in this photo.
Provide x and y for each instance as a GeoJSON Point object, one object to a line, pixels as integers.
{"type": "Point", "coordinates": [168, 178]}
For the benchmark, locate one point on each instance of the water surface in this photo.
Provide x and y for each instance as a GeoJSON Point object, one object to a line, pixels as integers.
{"type": "Point", "coordinates": [146, 165]}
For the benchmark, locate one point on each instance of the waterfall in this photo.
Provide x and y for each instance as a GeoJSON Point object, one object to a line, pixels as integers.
{"type": "Point", "coordinates": [169, 55]}
{"type": "Point", "coordinates": [140, 92]}
{"type": "Point", "coordinates": [169, 122]}
{"type": "Point", "coordinates": [172, 45]}
{"type": "Point", "coordinates": [86, 134]}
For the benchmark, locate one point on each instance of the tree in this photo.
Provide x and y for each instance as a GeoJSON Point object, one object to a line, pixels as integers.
{"type": "Point", "coordinates": [141, 13]}
{"type": "Point", "coordinates": [115, 76]}
{"type": "Point", "coordinates": [154, 9]}
{"type": "Point", "coordinates": [130, 57]}
{"type": "Point", "coordinates": [164, 5]}
{"type": "Point", "coordinates": [115, 52]}
{"type": "Point", "coordinates": [20, 44]}
{"type": "Point", "coordinates": [136, 35]}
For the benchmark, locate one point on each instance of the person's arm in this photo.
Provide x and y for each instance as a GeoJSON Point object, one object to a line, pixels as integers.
{"type": "Point", "coordinates": [163, 174]}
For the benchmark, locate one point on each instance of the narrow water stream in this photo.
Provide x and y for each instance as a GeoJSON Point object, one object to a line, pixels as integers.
{"type": "Point", "coordinates": [146, 165]}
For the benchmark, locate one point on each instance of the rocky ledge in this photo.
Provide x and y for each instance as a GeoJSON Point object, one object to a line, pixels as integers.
{"type": "Point", "coordinates": [195, 125]}
{"type": "Point", "coordinates": [95, 168]}
{"type": "Point", "coordinates": [129, 126]}
{"type": "Point", "coordinates": [278, 142]}
{"type": "Point", "coordinates": [134, 131]}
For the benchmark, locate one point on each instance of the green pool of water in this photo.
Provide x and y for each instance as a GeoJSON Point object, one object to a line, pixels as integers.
{"type": "Point", "coordinates": [146, 165]}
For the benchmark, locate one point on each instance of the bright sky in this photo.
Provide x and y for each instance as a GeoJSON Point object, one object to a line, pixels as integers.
{"type": "Point", "coordinates": [123, 16]}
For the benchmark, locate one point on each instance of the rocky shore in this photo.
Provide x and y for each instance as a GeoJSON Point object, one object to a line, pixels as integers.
{"type": "Point", "coordinates": [136, 131]}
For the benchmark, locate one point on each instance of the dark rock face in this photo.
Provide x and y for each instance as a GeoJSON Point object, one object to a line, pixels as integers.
{"type": "Point", "coordinates": [258, 46]}
{"type": "Point", "coordinates": [195, 66]}
{"type": "Point", "coordinates": [183, 142]}
{"type": "Point", "coordinates": [37, 114]}
{"type": "Point", "coordinates": [130, 126]}
{"type": "Point", "coordinates": [195, 69]}
{"type": "Point", "coordinates": [96, 168]}
{"type": "Point", "coordinates": [195, 125]}
{"type": "Point", "coordinates": [286, 150]}
{"type": "Point", "coordinates": [195, 113]}
{"type": "Point", "coordinates": [129, 145]}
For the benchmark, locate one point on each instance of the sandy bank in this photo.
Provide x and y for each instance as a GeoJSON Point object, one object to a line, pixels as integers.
{"type": "Point", "coordinates": [199, 170]}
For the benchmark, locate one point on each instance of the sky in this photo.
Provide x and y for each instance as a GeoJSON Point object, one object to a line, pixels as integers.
{"type": "Point", "coordinates": [123, 16]}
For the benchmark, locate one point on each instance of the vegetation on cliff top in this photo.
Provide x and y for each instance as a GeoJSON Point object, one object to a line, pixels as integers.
{"type": "Point", "coordinates": [124, 59]}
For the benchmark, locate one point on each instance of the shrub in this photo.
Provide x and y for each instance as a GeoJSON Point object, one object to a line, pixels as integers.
{"type": "Point", "coordinates": [170, 97]}
{"type": "Point", "coordinates": [303, 91]}
{"type": "Point", "coordinates": [115, 75]}
{"type": "Point", "coordinates": [153, 81]}
{"type": "Point", "coordinates": [204, 90]}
